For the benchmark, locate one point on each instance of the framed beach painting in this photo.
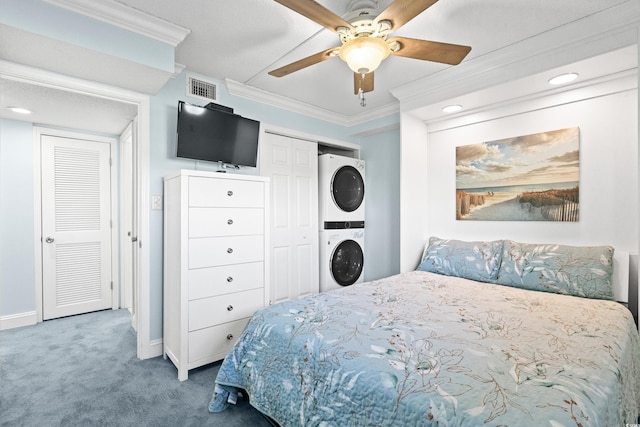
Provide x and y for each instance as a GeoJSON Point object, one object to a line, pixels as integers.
{"type": "Point", "coordinates": [526, 178]}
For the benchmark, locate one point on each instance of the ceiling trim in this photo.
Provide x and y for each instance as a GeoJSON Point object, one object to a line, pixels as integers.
{"type": "Point", "coordinates": [270, 98]}
{"type": "Point", "coordinates": [178, 68]}
{"type": "Point", "coordinates": [126, 17]}
{"type": "Point", "coordinates": [596, 34]}
{"type": "Point", "coordinates": [622, 81]}
{"type": "Point", "coordinates": [40, 77]}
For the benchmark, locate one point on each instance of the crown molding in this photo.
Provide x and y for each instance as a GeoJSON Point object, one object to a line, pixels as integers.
{"type": "Point", "coordinates": [596, 34]}
{"type": "Point", "coordinates": [128, 18]}
{"type": "Point", "coordinates": [618, 82]}
{"type": "Point", "coordinates": [270, 98]}
{"type": "Point", "coordinates": [178, 68]}
{"type": "Point", "coordinates": [38, 76]}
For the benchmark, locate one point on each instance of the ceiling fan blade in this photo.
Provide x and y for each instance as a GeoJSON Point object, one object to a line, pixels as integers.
{"type": "Point", "coordinates": [445, 53]}
{"type": "Point", "coordinates": [317, 13]}
{"type": "Point", "coordinates": [402, 11]}
{"type": "Point", "coordinates": [303, 63]}
{"type": "Point", "coordinates": [364, 81]}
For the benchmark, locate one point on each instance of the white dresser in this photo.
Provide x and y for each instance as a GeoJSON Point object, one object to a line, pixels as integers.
{"type": "Point", "coordinates": [215, 262]}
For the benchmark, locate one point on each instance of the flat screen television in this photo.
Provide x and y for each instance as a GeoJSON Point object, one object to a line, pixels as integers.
{"type": "Point", "coordinates": [216, 136]}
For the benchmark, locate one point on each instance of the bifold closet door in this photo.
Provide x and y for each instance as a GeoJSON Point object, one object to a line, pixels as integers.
{"type": "Point", "coordinates": [292, 165]}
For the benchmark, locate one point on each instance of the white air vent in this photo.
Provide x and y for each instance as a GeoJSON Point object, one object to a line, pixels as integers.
{"type": "Point", "coordinates": [201, 89]}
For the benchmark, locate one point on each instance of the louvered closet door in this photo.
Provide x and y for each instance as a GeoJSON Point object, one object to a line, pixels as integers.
{"type": "Point", "coordinates": [76, 234]}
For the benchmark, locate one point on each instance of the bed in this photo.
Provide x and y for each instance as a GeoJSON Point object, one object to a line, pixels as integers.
{"type": "Point", "coordinates": [534, 339]}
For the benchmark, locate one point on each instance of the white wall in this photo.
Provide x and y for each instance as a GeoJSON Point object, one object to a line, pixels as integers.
{"type": "Point", "coordinates": [606, 113]}
{"type": "Point", "coordinates": [608, 125]}
{"type": "Point", "coordinates": [414, 195]}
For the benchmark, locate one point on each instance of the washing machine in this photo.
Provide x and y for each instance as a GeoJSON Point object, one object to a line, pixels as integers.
{"type": "Point", "coordinates": [341, 258]}
{"type": "Point", "coordinates": [340, 189]}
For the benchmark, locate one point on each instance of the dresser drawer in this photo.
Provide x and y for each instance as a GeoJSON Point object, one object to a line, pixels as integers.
{"type": "Point", "coordinates": [211, 344]}
{"type": "Point", "coordinates": [210, 222]}
{"type": "Point", "coordinates": [215, 251]}
{"type": "Point", "coordinates": [212, 311]}
{"type": "Point", "coordinates": [212, 281]}
{"type": "Point", "coordinates": [209, 192]}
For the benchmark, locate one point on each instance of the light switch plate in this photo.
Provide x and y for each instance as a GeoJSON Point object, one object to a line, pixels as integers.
{"type": "Point", "coordinates": [156, 202]}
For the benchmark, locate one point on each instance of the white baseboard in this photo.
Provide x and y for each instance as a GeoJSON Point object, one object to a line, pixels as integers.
{"type": "Point", "coordinates": [18, 320]}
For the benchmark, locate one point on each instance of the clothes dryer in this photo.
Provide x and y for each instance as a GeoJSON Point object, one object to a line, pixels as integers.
{"type": "Point", "coordinates": [341, 182]}
{"type": "Point", "coordinates": [341, 258]}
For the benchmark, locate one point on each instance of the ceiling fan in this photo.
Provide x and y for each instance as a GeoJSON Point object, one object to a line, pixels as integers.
{"type": "Point", "coordinates": [365, 42]}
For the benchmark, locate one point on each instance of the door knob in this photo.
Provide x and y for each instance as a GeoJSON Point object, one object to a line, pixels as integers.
{"type": "Point", "coordinates": [49, 240]}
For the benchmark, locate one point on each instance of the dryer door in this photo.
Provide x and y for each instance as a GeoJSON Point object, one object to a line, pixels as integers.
{"type": "Point", "coordinates": [347, 262]}
{"type": "Point", "coordinates": [347, 188]}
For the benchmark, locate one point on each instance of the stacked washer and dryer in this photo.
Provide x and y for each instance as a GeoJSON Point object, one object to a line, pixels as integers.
{"type": "Point", "coordinates": [341, 193]}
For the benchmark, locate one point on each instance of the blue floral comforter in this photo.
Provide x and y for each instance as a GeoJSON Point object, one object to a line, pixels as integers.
{"type": "Point", "coordinates": [420, 349]}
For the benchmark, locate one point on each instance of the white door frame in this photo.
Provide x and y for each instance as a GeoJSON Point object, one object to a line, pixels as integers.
{"type": "Point", "coordinates": [38, 132]}
{"type": "Point", "coordinates": [145, 348]}
{"type": "Point", "coordinates": [126, 209]}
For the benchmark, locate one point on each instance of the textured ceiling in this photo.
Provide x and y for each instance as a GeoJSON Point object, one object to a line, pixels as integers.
{"type": "Point", "coordinates": [243, 40]}
{"type": "Point", "coordinates": [240, 41]}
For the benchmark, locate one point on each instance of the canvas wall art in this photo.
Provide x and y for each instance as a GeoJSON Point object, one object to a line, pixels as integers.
{"type": "Point", "coordinates": [526, 178]}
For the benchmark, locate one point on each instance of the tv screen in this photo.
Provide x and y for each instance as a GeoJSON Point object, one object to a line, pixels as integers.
{"type": "Point", "coordinates": [216, 136]}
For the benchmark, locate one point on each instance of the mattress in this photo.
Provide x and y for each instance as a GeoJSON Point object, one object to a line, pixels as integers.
{"type": "Point", "coordinates": [425, 349]}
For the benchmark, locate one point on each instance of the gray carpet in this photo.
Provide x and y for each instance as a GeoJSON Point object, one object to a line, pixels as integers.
{"type": "Point", "coordinates": [83, 371]}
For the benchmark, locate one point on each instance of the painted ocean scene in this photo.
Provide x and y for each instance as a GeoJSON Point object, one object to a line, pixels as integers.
{"type": "Point", "coordinates": [526, 178]}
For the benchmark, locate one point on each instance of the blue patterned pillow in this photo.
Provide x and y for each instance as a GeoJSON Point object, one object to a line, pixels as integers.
{"type": "Point", "coordinates": [472, 260]}
{"type": "Point", "coordinates": [570, 270]}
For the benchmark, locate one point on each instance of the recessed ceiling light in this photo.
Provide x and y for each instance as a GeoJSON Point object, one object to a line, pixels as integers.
{"type": "Point", "coordinates": [563, 78]}
{"type": "Point", "coordinates": [452, 108]}
{"type": "Point", "coordinates": [19, 110]}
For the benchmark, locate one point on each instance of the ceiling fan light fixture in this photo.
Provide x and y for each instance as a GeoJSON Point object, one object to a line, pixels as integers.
{"type": "Point", "coordinates": [364, 54]}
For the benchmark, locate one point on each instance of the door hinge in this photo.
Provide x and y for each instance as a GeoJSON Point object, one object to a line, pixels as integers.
{"type": "Point", "coordinates": [111, 285]}
{"type": "Point", "coordinates": [110, 162]}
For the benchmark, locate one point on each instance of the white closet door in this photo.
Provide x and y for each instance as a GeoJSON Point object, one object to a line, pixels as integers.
{"type": "Point", "coordinates": [76, 226]}
{"type": "Point", "coordinates": [292, 165]}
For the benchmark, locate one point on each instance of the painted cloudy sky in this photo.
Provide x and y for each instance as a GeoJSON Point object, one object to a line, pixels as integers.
{"type": "Point", "coordinates": [546, 157]}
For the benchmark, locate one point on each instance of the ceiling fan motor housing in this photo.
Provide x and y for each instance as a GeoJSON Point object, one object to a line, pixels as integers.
{"type": "Point", "coordinates": [363, 34]}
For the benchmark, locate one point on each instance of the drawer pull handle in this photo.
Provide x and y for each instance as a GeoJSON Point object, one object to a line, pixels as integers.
{"type": "Point", "coordinates": [229, 307]}
{"type": "Point", "coordinates": [229, 193]}
{"type": "Point", "coordinates": [230, 221]}
{"type": "Point", "coordinates": [229, 250]}
{"type": "Point", "coordinates": [229, 279]}
{"type": "Point", "coordinates": [230, 337]}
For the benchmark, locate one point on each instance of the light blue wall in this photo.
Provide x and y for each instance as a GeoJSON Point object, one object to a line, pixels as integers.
{"type": "Point", "coordinates": [384, 148]}
{"type": "Point", "coordinates": [16, 189]}
{"type": "Point", "coordinates": [382, 226]}
{"type": "Point", "coordinates": [39, 17]}
{"type": "Point", "coordinates": [17, 280]}
{"type": "Point", "coordinates": [16, 151]}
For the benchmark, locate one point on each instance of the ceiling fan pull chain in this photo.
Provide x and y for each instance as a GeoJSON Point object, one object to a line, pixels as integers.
{"type": "Point", "coordinates": [363, 101]}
